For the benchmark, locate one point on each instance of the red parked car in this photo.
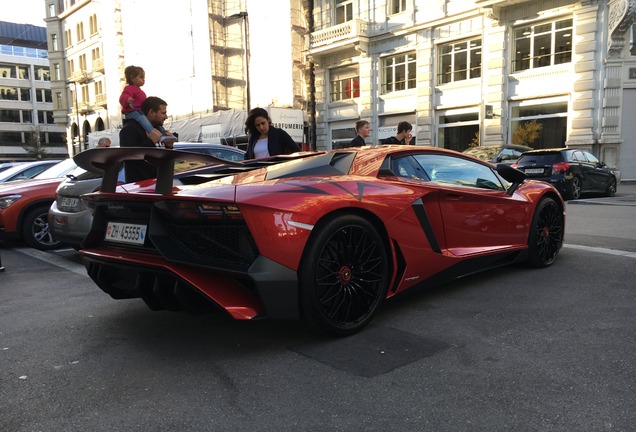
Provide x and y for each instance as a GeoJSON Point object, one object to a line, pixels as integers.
{"type": "Point", "coordinates": [24, 206]}
{"type": "Point", "coordinates": [325, 236]}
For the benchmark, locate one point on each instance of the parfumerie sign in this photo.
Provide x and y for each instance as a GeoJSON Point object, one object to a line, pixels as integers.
{"type": "Point", "coordinates": [290, 120]}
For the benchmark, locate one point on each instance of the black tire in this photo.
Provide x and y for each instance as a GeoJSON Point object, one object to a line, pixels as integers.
{"type": "Point", "coordinates": [575, 189]}
{"type": "Point", "coordinates": [35, 229]}
{"type": "Point", "coordinates": [344, 275]}
{"type": "Point", "coordinates": [611, 187]}
{"type": "Point", "coordinates": [546, 233]}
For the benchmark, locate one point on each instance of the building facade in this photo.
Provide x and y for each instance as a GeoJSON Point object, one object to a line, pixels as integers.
{"type": "Point", "coordinates": [27, 127]}
{"type": "Point", "coordinates": [479, 72]}
{"type": "Point", "coordinates": [202, 58]}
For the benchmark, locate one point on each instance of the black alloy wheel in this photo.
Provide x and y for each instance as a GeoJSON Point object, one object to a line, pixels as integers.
{"type": "Point", "coordinates": [344, 275]}
{"type": "Point", "coordinates": [35, 229]}
{"type": "Point", "coordinates": [546, 233]}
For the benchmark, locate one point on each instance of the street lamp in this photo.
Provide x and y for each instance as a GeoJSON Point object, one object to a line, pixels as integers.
{"type": "Point", "coordinates": [246, 37]}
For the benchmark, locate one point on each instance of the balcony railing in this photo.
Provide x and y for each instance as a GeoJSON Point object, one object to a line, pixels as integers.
{"type": "Point", "coordinates": [338, 35]}
{"type": "Point", "coordinates": [80, 76]}
{"type": "Point", "coordinates": [98, 65]}
{"type": "Point", "coordinates": [100, 99]}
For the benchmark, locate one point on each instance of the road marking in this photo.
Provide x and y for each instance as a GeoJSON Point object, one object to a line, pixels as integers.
{"type": "Point", "coordinates": [605, 251]}
{"type": "Point", "coordinates": [53, 258]}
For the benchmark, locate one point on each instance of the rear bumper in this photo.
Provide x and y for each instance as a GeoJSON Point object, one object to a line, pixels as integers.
{"type": "Point", "coordinates": [266, 290]}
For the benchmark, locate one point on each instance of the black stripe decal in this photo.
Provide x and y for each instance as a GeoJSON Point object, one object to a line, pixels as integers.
{"type": "Point", "coordinates": [425, 223]}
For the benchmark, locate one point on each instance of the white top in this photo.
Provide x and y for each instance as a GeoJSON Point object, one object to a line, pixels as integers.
{"type": "Point", "coordinates": [260, 149]}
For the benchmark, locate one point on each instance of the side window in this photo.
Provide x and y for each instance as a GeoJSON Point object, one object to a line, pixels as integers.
{"type": "Point", "coordinates": [407, 167]}
{"type": "Point", "coordinates": [591, 158]}
{"type": "Point", "coordinates": [447, 169]}
{"type": "Point", "coordinates": [578, 156]}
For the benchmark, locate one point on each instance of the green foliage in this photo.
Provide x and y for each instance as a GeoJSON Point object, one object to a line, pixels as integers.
{"type": "Point", "coordinates": [34, 145]}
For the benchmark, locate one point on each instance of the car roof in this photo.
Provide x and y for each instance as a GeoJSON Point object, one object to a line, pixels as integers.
{"type": "Point", "coordinates": [9, 172]}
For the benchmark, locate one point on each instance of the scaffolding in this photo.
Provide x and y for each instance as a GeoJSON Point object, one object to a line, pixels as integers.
{"type": "Point", "coordinates": [229, 54]}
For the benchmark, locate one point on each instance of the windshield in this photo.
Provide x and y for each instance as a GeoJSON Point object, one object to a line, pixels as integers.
{"type": "Point", "coordinates": [58, 170]}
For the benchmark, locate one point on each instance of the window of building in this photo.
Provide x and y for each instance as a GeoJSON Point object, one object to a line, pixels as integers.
{"type": "Point", "coordinates": [44, 95]}
{"type": "Point", "coordinates": [23, 72]}
{"type": "Point", "coordinates": [397, 6]}
{"type": "Point", "coordinates": [344, 83]}
{"type": "Point", "coordinates": [9, 116]}
{"type": "Point", "coordinates": [54, 45]}
{"type": "Point", "coordinates": [82, 62]}
{"type": "Point", "coordinates": [27, 116]}
{"type": "Point", "coordinates": [56, 71]}
{"type": "Point", "coordinates": [541, 45]}
{"type": "Point", "coordinates": [85, 94]}
{"type": "Point", "coordinates": [344, 11]}
{"type": "Point", "coordinates": [547, 117]}
{"type": "Point", "coordinates": [95, 54]}
{"type": "Point", "coordinates": [398, 73]}
{"type": "Point", "coordinates": [80, 32]}
{"type": "Point", "coordinates": [11, 137]}
{"type": "Point", "coordinates": [457, 128]}
{"type": "Point", "coordinates": [69, 38]}
{"type": "Point", "coordinates": [45, 117]}
{"type": "Point", "coordinates": [92, 24]}
{"type": "Point", "coordinates": [51, 10]}
{"type": "Point", "coordinates": [25, 94]}
{"type": "Point", "coordinates": [71, 67]}
{"type": "Point", "coordinates": [8, 93]}
{"type": "Point", "coordinates": [7, 71]}
{"type": "Point", "coordinates": [58, 101]}
{"type": "Point", "coordinates": [42, 73]}
{"type": "Point", "coordinates": [57, 138]}
{"type": "Point", "coordinates": [459, 61]}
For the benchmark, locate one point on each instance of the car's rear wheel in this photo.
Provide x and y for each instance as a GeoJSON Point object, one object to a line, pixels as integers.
{"type": "Point", "coordinates": [575, 189]}
{"type": "Point", "coordinates": [35, 229]}
{"type": "Point", "coordinates": [546, 233]}
{"type": "Point", "coordinates": [344, 275]}
{"type": "Point", "coordinates": [611, 188]}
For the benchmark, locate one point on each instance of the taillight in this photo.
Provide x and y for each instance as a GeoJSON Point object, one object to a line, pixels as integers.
{"type": "Point", "coordinates": [515, 165]}
{"type": "Point", "coordinates": [560, 167]}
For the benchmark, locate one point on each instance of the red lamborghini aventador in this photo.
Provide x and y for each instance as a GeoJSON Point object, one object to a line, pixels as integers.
{"type": "Point", "coordinates": [325, 237]}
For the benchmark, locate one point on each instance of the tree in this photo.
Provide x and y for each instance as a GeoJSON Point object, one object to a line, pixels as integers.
{"type": "Point", "coordinates": [34, 145]}
{"type": "Point", "coordinates": [527, 132]}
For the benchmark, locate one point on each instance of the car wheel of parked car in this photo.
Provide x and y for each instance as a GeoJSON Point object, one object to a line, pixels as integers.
{"type": "Point", "coordinates": [575, 191]}
{"type": "Point", "coordinates": [344, 275]}
{"type": "Point", "coordinates": [546, 233]}
{"type": "Point", "coordinates": [35, 229]}
{"type": "Point", "coordinates": [611, 188]}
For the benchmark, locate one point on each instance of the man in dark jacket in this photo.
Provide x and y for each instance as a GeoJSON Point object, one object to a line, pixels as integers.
{"type": "Point", "coordinates": [403, 134]}
{"type": "Point", "coordinates": [134, 135]}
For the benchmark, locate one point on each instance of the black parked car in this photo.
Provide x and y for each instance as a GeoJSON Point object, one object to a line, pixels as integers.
{"type": "Point", "coordinates": [572, 171]}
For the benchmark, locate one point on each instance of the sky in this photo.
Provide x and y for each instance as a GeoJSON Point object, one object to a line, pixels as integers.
{"type": "Point", "coordinates": [24, 12]}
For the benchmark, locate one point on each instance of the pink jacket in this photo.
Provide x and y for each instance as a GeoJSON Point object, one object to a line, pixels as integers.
{"type": "Point", "coordinates": [131, 91]}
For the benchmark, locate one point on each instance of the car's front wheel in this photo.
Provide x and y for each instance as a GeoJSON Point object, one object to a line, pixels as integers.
{"type": "Point", "coordinates": [344, 275]}
{"type": "Point", "coordinates": [546, 233]}
{"type": "Point", "coordinates": [35, 229]}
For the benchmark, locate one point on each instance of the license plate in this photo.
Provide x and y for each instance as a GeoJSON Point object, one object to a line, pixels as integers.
{"type": "Point", "coordinates": [126, 233]}
{"type": "Point", "coordinates": [534, 171]}
{"type": "Point", "coordinates": [69, 202]}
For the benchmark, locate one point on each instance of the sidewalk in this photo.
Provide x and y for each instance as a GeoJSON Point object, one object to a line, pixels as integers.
{"type": "Point", "coordinates": [625, 196]}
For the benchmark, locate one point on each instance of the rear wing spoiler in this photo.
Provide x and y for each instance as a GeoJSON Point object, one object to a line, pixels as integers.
{"type": "Point", "coordinates": [107, 161]}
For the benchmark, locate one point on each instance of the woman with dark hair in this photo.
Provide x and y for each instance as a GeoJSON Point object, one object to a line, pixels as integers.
{"type": "Point", "coordinates": [264, 139]}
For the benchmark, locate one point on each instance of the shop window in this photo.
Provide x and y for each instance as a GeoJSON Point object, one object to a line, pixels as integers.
{"type": "Point", "coordinates": [548, 118]}
{"type": "Point", "coordinates": [457, 128]}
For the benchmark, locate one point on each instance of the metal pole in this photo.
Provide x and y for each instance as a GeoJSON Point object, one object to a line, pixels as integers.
{"type": "Point", "coordinates": [246, 33]}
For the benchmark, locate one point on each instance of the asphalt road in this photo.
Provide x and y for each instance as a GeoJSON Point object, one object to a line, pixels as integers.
{"type": "Point", "coordinates": [515, 349]}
